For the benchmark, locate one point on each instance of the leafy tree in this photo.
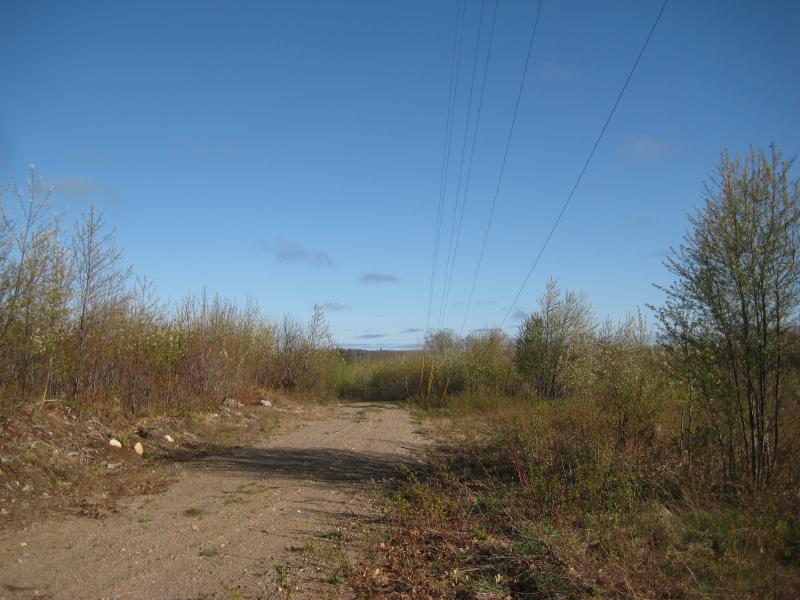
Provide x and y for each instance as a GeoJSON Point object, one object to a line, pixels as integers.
{"type": "Point", "coordinates": [100, 285]}
{"type": "Point", "coordinates": [728, 313]}
{"type": "Point", "coordinates": [488, 360]}
{"type": "Point", "coordinates": [628, 379]}
{"type": "Point", "coordinates": [554, 343]}
{"type": "Point", "coordinates": [34, 284]}
{"type": "Point", "coordinates": [443, 341]}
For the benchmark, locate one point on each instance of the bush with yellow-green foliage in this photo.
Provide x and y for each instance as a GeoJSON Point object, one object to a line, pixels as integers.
{"type": "Point", "coordinates": [628, 379]}
{"type": "Point", "coordinates": [488, 362]}
{"type": "Point", "coordinates": [554, 344]}
{"type": "Point", "coordinates": [380, 376]}
{"type": "Point", "coordinates": [538, 498]}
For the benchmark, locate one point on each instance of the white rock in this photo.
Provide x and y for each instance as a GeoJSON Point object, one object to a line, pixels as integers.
{"type": "Point", "coordinates": [114, 443]}
{"type": "Point", "coordinates": [168, 437]}
{"type": "Point", "coordinates": [138, 448]}
{"type": "Point", "coordinates": [265, 403]}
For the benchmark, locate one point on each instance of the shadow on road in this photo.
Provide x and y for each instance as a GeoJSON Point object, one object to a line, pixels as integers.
{"type": "Point", "coordinates": [315, 464]}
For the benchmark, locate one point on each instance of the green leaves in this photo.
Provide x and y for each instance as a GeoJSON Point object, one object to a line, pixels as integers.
{"type": "Point", "coordinates": [732, 305]}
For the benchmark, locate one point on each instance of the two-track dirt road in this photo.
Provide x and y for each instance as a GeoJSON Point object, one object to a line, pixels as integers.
{"type": "Point", "coordinates": [222, 529]}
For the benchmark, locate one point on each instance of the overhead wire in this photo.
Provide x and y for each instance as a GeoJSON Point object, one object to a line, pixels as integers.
{"type": "Point", "coordinates": [458, 37]}
{"type": "Point", "coordinates": [471, 156]}
{"type": "Point", "coordinates": [586, 163]}
{"type": "Point", "coordinates": [503, 162]}
{"type": "Point", "coordinates": [467, 119]}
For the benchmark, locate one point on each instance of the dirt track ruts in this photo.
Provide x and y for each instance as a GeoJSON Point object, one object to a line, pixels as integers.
{"type": "Point", "coordinates": [246, 508]}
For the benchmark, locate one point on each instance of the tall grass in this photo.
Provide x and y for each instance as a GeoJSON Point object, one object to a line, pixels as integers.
{"type": "Point", "coordinates": [535, 498]}
{"type": "Point", "coordinates": [483, 361]}
{"type": "Point", "coordinates": [609, 483]}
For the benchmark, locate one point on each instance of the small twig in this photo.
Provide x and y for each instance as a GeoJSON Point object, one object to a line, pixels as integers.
{"type": "Point", "coordinates": [46, 383]}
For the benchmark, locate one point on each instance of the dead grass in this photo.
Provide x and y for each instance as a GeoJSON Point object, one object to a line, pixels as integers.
{"type": "Point", "coordinates": [57, 459]}
{"type": "Point", "coordinates": [539, 501]}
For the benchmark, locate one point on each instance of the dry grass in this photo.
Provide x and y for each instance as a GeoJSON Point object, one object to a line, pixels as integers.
{"type": "Point", "coordinates": [57, 459]}
{"type": "Point", "coordinates": [538, 500]}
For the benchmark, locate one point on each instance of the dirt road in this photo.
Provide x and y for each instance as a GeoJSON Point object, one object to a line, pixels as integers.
{"type": "Point", "coordinates": [224, 529]}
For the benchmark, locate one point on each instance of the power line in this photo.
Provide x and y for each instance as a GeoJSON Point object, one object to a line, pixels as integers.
{"type": "Point", "coordinates": [458, 36]}
{"type": "Point", "coordinates": [454, 74]}
{"type": "Point", "coordinates": [443, 307]}
{"type": "Point", "coordinates": [586, 164]}
{"type": "Point", "coordinates": [471, 156]}
{"type": "Point", "coordinates": [503, 162]}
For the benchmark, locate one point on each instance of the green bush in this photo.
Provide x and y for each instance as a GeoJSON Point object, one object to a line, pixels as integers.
{"type": "Point", "coordinates": [488, 362]}
{"type": "Point", "coordinates": [628, 381]}
{"type": "Point", "coordinates": [553, 346]}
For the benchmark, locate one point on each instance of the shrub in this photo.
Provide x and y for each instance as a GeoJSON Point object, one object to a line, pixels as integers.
{"type": "Point", "coordinates": [628, 381]}
{"type": "Point", "coordinates": [553, 346]}
{"type": "Point", "coordinates": [728, 314]}
{"type": "Point", "coordinates": [488, 361]}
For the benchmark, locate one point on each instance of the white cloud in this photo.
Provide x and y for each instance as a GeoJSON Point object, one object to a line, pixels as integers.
{"type": "Point", "coordinates": [370, 278]}
{"type": "Point", "coordinates": [287, 251]}
{"type": "Point", "coordinates": [644, 147]}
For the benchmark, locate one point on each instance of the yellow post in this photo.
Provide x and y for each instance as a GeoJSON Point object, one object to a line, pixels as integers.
{"type": "Point", "coordinates": [430, 379]}
{"type": "Point", "coordinates": [421, 373]}
{"type": "Point", "coordinates": [446, 384]}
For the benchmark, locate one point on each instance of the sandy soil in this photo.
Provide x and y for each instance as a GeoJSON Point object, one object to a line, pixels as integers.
{"type": "Point", "coordinates": [230, 519]}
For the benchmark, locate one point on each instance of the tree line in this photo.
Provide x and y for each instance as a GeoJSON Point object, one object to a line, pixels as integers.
{"type": "Point", "coordinates": [76, 324]}
{"type": "Point", "coordinates": [723, 354]}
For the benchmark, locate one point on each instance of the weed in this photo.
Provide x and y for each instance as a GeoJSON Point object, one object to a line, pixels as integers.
{"type": "Point", "coordinates": [479, 534]}
{"type": "Point", "coordinates": [533, 499]}
{"type": "Point", "coordinates": [339, 575]}
{"type": "Point", "coordinates": [234, 500]}
{"type": "Point", "coordinates": [282, 571]}
{"type": "Point", "coordinates": [251, 488]}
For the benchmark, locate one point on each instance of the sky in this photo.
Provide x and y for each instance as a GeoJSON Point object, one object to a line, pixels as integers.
{"type": "Point", "coordinates": [291, 152]}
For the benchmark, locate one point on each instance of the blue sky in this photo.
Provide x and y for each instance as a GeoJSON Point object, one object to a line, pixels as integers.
{"type": "Point", "coordinates": [291, 152]}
